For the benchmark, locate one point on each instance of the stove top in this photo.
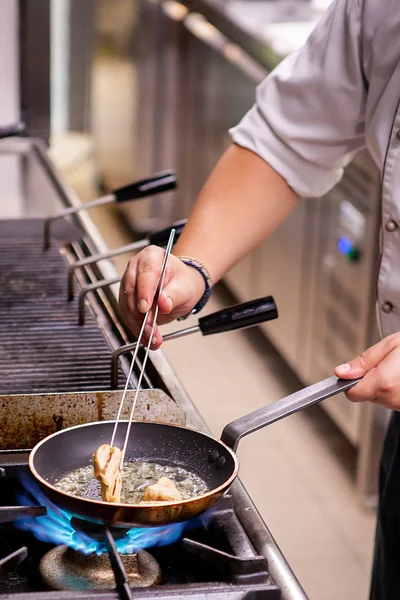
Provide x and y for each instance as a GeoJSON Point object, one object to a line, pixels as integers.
{"type": "Point", "coordinates": [211, 559]}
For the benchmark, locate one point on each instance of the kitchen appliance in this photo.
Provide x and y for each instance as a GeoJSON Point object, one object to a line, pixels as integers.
{"type": "Point", "coordinates": [43, 352]}
{"type": "Point", "coordinates": [49, 366]}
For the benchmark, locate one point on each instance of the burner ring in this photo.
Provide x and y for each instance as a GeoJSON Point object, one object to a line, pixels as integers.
{"type": "Point", "coordinates": [66, 569]}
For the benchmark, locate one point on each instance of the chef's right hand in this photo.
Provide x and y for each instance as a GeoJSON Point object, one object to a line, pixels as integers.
{"type": "Point", "coordinates": [183, 288]}
{"type": "Point", "coordinates": [379, 368]}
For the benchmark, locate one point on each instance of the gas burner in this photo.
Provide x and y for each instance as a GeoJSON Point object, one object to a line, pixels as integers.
{"type": "Point", "coordinates": [66, 569]}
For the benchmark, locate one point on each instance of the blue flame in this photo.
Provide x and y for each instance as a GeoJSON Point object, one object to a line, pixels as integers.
{"type": "Point", "coordinates": [55, 527]}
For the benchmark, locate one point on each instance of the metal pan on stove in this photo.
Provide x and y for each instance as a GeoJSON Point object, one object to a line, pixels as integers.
{"type": "Point", "coordinates": [214, 461]}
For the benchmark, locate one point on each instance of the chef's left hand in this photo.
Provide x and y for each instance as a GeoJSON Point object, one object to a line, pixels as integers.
{"type": "Point", "coordinates": [380, 368]}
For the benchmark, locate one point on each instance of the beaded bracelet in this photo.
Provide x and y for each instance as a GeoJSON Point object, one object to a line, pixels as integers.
{"type": "Point", "coordinates": [200, 268]}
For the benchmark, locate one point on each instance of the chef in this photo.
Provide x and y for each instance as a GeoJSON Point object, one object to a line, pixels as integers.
{"type": "Point", "coordinates": [338, 94]}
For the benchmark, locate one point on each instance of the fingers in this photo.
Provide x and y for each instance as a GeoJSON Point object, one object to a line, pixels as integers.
{"type": "Point", "coordinates": [127, 289]}
{"type": "Point", "coordinates": [155, 338]}
{"type": "Point", "coordinates": [366, 389]}
{"type": "Point", "coordinates": [148, 269]}
{"type": "Point", "coordinates": [368, 359]}
{"type": "Point", "coordinates": [134, 320]}
{"type": "Point", "coordinates": [183, 287]}
{"type": "Point", "coordinates": [137, 290]}
{"type": "Point", "coordinates": [381, 384]}
{"type": "Point", "coordinates": [174, 301]}
{"type": "Point", "coordinates": [176, 298]}
{"type": "Point", "coordinates": [137, 293]}
{"type": "Point", "coordinates": [379, 368]}
{"type": "Point", "coordinates": [165, 302]}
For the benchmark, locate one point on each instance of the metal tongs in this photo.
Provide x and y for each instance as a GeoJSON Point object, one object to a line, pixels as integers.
{"type": "Point", "coordinates": [159, 288]}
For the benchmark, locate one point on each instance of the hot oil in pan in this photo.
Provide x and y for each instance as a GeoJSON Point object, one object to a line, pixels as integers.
{"type": "Point", "coordinates": [136, 476]}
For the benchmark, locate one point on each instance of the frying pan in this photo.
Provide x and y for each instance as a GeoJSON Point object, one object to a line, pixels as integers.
{"type": "Point", "coordinates": [213, 460]}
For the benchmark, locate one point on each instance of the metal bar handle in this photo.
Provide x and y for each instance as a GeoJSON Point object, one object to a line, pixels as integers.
{"type": "Point", "coordinates": [160, 182]}
{"type": "Point", "coordinates": [12, 561]}
{"type": "Point", "coordinates": [130, 347]}
{"type": "Point", "coordinates": [11, 513]}
{"type": "Point", "coordinates": [133, 247]}
{"type": "Point", "coordinates": [236, 430]}
{"type": "Point", "coordinates": [158, 238]}
{"type": "Point", "coordinates": [240, 316]}
{"type": "Point", "coordinates": [121, 578]}
{"type": "Point", "coordinates": [92, 287]}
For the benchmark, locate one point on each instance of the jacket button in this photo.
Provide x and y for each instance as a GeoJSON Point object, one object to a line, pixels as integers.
{"type": "Point", "coordinates": [391, 226]}
{"type": "Point", "coordinates": [387, 307]}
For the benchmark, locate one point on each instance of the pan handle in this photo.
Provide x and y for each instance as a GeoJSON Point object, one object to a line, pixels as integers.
{"type": "Point", "coordinates": [233, 432]}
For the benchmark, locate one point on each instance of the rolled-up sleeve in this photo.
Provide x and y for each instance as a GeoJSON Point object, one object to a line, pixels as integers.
{"type": "Point", "coordinates": [308, 119]}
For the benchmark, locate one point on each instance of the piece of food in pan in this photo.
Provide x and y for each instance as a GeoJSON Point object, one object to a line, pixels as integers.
{"type": "Point", "coordinates": [164, 490]}
{"type": "Point", "coordinates": [112, 493]}
{"type": "Point", "coordinates": [107, 469]}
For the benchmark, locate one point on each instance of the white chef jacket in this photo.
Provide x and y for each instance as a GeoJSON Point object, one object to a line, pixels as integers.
{"type": "Point", "coordinates": [336, 95]}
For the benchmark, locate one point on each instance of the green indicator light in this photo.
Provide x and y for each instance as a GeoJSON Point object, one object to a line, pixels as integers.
{"type": "Point", "coordinates": [353, 254]}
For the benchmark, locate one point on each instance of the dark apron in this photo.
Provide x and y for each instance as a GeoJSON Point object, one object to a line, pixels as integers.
{"type": "Point", "coordinates": [385, 583]}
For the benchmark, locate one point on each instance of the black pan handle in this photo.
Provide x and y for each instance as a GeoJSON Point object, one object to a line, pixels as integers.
{"type": "Point", "coordinates": [160, 238]}
{"type": "Point", "coordinates": [240, 316]}
{"type": "Point", "coordinates": [235, 431]}
{"type": "Point", "coordinates": [160, 182]}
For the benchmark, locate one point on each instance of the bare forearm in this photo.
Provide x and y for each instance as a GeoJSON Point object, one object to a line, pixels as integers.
{"type": "Point", "coordinates": [243, 201]}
